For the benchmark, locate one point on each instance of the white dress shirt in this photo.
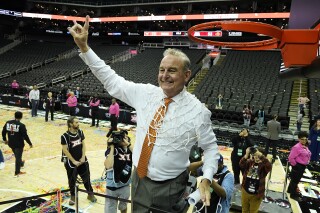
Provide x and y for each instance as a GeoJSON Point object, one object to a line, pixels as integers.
{"type": "Point", "coordinates": [186, 122]}
{"type": "Point", "coordinates": [34, 95]}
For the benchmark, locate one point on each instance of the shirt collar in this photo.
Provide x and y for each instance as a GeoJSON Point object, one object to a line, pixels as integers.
{"type": "Point", "coordinates": [178, 97]}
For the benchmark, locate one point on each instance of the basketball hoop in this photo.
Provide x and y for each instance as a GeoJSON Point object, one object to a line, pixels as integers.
{"type": "Point", "coordinates": [298, 47]}
{"type": "Point", "coordinates": [244, 26]}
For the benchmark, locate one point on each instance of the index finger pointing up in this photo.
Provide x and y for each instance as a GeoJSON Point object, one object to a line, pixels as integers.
{"type": "Point", "coordinates": [86, 24]}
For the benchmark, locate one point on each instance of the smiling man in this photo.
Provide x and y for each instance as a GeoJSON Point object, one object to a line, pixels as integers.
{"type": "Point", "coordinates": [170, 121]}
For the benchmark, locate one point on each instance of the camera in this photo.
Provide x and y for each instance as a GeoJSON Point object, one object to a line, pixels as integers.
{"type": "Point", "coordinates": [253, 150]}
{"type": "Point", "coordinates": [118, 136]}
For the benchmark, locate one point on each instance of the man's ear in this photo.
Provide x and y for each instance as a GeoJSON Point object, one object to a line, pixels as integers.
{"type": "Point", "coordinates": [187, 75]}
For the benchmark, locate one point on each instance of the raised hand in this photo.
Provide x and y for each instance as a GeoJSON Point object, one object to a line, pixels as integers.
{"type": "Point", "coordinates": [80, 34]}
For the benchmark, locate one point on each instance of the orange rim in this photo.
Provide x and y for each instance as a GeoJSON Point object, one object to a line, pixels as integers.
{"type": "Point", "coordinates": [243, 26]}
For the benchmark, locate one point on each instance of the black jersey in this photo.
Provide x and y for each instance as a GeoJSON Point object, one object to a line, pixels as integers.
{"type": "Point", "coordinates": [74, 143]}
{"type": "Point", "coordinates": [122, 164]}
{"type": "Point", "coordinates": [17, 133]}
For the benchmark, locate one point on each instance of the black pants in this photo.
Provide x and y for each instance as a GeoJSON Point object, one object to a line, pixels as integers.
{"type": "Point", "coordinates": [166, 195]}
{"type": "Point", "coordinates": [72, 111]}
{"type": "Point", "coordinates": [271, 144]}
{"type": "Point", "coordinates": [295, 175]}
{"type": "Point", "coordinates": [47, 113]}
{"type": "Point", "coordinates": [84, 172]}
{"type": "Point", "coordinates": [18, 155]}
{"type": "Point", "coordinates": [114, 124]}
{"type": "Point", "coordinates": [95, 115]}
{"type": "Point", "coordinates": [14, 91]}
{"type": "Point", "coordinates": [235, 167]}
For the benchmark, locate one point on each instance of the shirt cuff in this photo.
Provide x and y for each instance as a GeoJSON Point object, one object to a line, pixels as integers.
{"type": "Point", "coordinates": [89, 57]}
{"type": "Point", "coordinates": [208, 174]}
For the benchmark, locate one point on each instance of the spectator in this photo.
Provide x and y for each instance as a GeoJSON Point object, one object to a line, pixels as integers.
{"type": "Point", "coordinates": [259, 117]}
{"type": "Point", "coordinates": [114, 111]}
{"type": "Point", "coordinates": [254, 179]}
{"type": "Point", "coordinates": [77, 93]}
{"type": "Point", "coordinates": [118, 172]}
{"type": "Point", "coordinates": [94, 103]}
{"type": "Point", "coordinates": [15, 87]}
{"type": "Point", "coordinates": [49, 106]}
{"type": "Point", "coordinates": [246, 112]}
{"type": "Point", "coordinates": [274, 129]}
{"type": "Point", "coordinates": [302, 102]}
{"type": "Point", "coordinates": [222, 190]}
{"type": "Point", "coordinates": [2, 163]}
{"type": "Point", "coordinates": [34, 97]}
{"type": "Point", "coordinates": [240, 144]}
{"type": "Point", "coordinates": [300, 119]}
{"type": "Point", "coordinates": [219, 102]}
{"type": "Point", "coordinates": [72, 103]}
{"type": "Point", "coordinates": [314, 137]}
{"type": "Point", "coordinates": [299, 158]}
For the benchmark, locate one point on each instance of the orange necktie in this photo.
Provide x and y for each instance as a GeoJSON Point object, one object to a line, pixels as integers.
{"type": "Point", "coordinates": [150, 138]}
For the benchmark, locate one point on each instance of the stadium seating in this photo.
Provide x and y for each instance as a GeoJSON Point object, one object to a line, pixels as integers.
{"type": "Point", "coordinates": [247, 77]}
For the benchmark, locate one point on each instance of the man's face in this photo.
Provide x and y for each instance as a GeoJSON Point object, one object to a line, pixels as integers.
{"type": "Point", "coordinates": [75, 124]}
{"type": "Point", "coordinates": [172, 77]}
{"type": "Point", "coordinates": [113, 101]}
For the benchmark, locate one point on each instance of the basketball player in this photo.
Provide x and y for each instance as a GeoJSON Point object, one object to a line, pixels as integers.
{"type": "Point", "coordinates": [75, 161]}
{"type": "Point", "coordinates": [17, 133]}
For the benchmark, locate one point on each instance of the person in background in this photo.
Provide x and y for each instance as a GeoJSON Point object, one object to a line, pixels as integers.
{"type": "Point", "coordinates": [246, 113]}
{"type": "Point", "coordinates": [34, 97]}
{"type": "Point", "coordinates": [75, 160]}
{"type": "Point", "coordinates": [15, 87]}
{"type": "Point", "coordinates": [49, 102]}
{"type": "Point", "coordinates": [255, 171]}
{"type": "Point", "coordinates": [314, 137]}
{"type": "Point", "coordinates": [118, 164]}
{"type": "Point", "coordinates": [240, 144]}
{"type": "Point", "coordinates": [114, 111]}
{"type": "Point", "coordinates": [259, 117]}
{"type": "Point", "coordinates": [219, 102]}
{"type": "Point", "coordinates": [299, 158]}
{"type": "Point", "coordinates": [94, 103]}
{"type": "Point", "coordinates": [64, 92]}
{"type": "Point", "coordinates": [77, 93]}
{"type": "Point", "coordinates": [300, 119]}
{"type": "Point", "coordinates": [222, 189]}
{"type": "Point", "coordinates": [2, 163]}
{"type": "Point", "coordinates": [273, 131]}
{"type": "Point", "coordinates": [72, 102]}
{"type": "Point", "coordinates": [17, 134]}
{"type": "Point", "coordinates": [302, 102]}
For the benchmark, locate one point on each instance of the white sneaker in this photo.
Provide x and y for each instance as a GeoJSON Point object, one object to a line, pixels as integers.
{"type": "Point", "coordinates": [2, 165]}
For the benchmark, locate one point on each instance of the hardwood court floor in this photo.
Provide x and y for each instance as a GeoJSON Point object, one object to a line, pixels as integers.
{"type": "Point", "coordinates": [45, 172]}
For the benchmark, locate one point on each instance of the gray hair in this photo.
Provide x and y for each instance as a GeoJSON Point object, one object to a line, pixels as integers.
{"type": "Point", "coordinates": [179, 54]}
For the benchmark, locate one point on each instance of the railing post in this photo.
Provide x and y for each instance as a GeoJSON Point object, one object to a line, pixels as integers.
{"type": "Point", "coordinates": [77, 197]}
